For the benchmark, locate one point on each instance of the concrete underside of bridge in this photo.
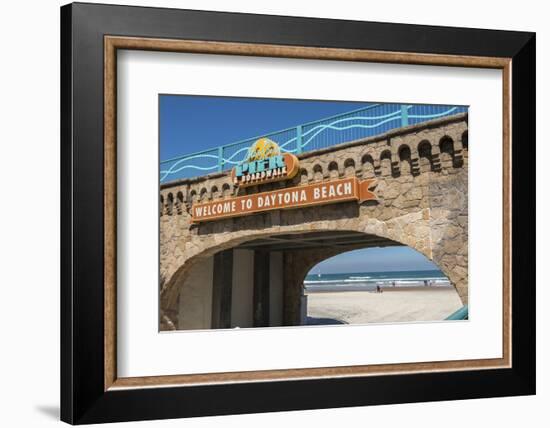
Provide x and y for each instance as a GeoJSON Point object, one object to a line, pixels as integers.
{"type": "Point", "coordinates": [249, 271]}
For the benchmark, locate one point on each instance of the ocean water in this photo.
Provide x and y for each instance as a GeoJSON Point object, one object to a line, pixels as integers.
{"type": "Point", "coordinates": [370, 280]}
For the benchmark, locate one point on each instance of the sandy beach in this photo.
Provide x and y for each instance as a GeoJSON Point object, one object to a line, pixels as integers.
{"type": "Point", "coordinates": [392, 305]}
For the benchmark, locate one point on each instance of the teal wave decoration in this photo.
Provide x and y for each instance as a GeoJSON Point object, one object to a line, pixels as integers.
{"type": "Point", "coordinates": [307, 137]}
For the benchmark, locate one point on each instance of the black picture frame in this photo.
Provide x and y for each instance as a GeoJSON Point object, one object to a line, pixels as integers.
{"type": "Point", "coordinates": [83, 398]}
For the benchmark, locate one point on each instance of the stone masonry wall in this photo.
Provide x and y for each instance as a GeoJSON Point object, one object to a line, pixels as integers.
{"type": "Point", "coordinates": [422, 186]}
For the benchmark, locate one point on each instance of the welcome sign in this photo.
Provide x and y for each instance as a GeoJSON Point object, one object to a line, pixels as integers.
{"type": "Point", "coordinates": [346, 189]}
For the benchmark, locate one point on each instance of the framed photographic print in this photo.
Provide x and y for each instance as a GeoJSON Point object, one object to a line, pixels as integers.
{"type": "Point", "coordinates": [266, 213]}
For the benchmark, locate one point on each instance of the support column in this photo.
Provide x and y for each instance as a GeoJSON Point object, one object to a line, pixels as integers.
{"type": "Point", "coordinates": [292, 289]}
{"type": "Point", "coordinates": [242, 310]}
{"type": "Point", "coordinates": [276, 289]}
{"type": "Point", "coordinates": [222, 285]}
{"type": "Point", "coordinates": [261, 289]}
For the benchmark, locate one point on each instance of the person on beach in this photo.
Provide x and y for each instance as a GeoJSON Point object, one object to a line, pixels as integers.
{"type": "Point", "coordinates": [425, 283]}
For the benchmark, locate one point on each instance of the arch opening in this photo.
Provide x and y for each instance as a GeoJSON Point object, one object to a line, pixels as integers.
{"type": "Point", "coordinates": [377, 284]}
{"type": "Point", "coordinates": [385, 163]}
{"type": "Point", "coordinates": [368, 166]}
{"type": "Point", "coordinates": [269, 281]}
{"type": "Point", "coordinates": [425, 156]}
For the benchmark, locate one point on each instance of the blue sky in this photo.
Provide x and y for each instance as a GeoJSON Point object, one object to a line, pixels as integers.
{"type": "Point", "coordinates": [190, 124]}
{"type": "Point", "coordinates": [193, 123]}
{"type": "Point", "coordinates": [386, 259]}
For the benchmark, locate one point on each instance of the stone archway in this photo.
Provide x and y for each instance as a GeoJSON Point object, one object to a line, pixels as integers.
{"type": "Point", "coordinates": [422, 189]}
{"type": "Point", "coordinates": [416, 230]}
{"type": "Point", "coordinates": [338, 296]}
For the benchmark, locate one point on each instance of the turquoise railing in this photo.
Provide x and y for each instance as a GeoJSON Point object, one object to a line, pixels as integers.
{"type": "Point", "coordinates": [461, 314]}
{"type": "Point", "coordinates": [365, 122]}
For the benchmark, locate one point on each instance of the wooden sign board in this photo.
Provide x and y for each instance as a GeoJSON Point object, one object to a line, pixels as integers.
{"type": "Point", "coordinates": [341, 190]}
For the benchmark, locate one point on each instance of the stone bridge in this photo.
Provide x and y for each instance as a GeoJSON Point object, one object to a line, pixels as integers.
{"type": "Point", "coordinates": [207, 268]}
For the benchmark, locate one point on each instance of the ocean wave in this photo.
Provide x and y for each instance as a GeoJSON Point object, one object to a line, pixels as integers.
{"type": "Point", "coordinates": [331, 281]}
{"type": "Point", "coordinates": [372, 286]}
{"type": "Point", "coordinates": [375, 280]}
{"type": "Point", "coordinates": [339, 281]}
{"type": "Point", "coordinates": [411, 282]}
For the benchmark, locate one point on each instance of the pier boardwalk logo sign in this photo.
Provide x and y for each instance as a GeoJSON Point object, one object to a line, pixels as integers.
{"type": "Point", "coordinates": [264, 164]}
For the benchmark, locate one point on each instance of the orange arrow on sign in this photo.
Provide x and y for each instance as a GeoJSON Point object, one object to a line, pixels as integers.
{"type": "Point", "coordinates": [365, 193]}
